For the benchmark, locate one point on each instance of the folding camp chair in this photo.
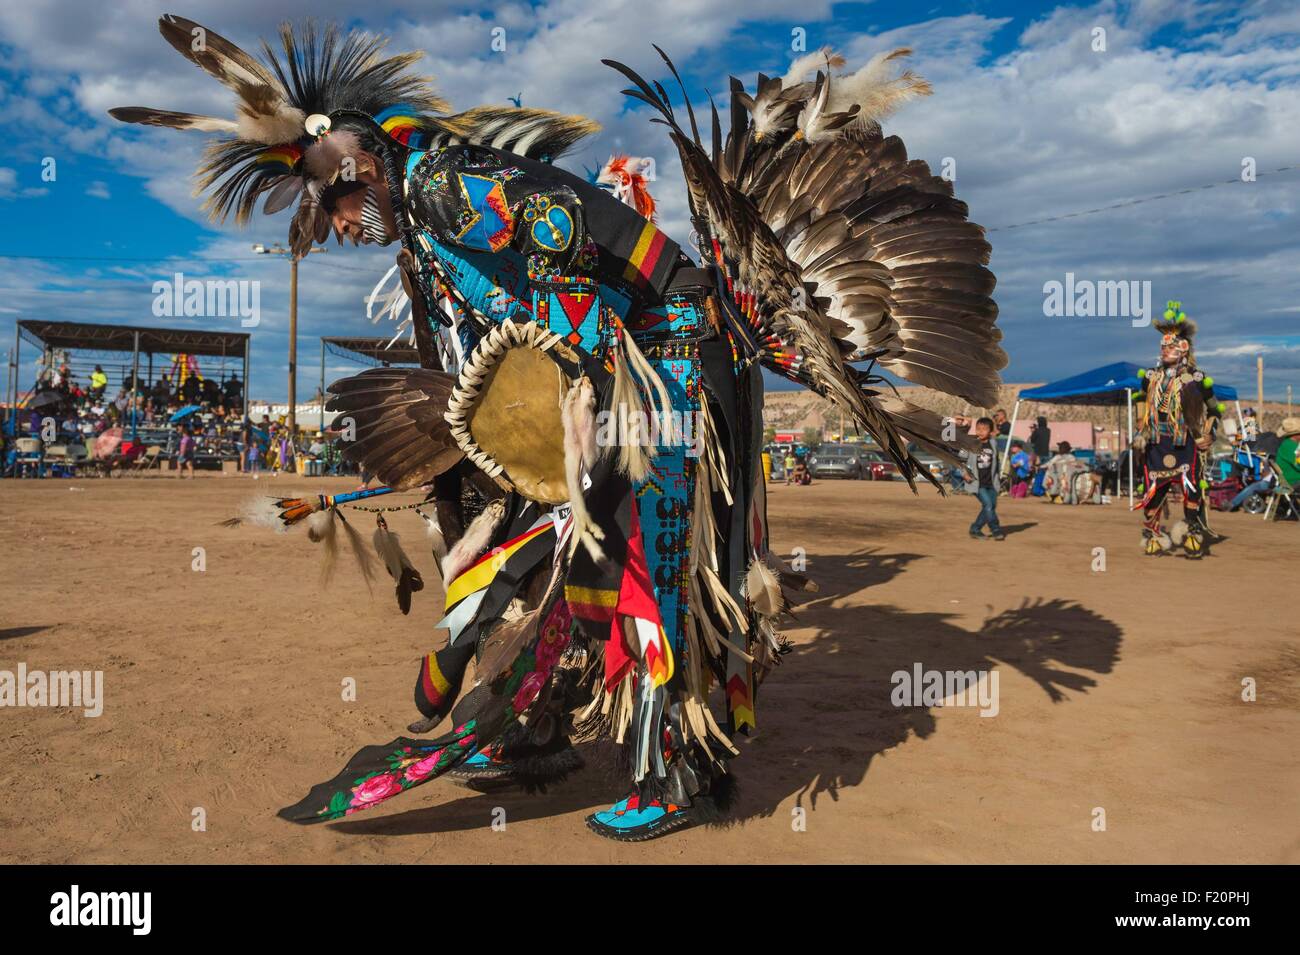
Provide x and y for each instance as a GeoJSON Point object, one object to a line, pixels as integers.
{"type": "Point", "coordinates": [56, 457]}
{"type": "Point", "coordinates": [77, 456]}
{"type": "Point", "coordinates": [151, 458]}
{"type": "Point", "coordinates": [1280, 499]}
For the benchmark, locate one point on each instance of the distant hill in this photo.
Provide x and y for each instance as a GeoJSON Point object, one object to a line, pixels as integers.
{"type": "Point", "coordinates": [797, 410]}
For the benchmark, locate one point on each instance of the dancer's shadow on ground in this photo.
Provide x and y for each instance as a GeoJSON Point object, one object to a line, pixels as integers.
{"type": "Point", "coordinates": [1010, 529]}
{"type": "Point", "coordinates": [12, 633]}
{"type": "Point", "coordinates": [826, 712]}
{"type": "Point", "coordinates": [475, 810]}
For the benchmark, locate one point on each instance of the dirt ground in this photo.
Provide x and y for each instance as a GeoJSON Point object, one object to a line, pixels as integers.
{"type": "Point", "coordinates": [1120, 692]}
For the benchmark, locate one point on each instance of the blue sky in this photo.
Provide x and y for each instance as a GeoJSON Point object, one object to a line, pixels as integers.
{"type": "Point", "coordinates": [1037, 121]}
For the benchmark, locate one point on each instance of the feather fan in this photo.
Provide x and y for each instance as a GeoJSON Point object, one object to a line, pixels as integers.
{"type": "Point", "coordinates": [842, 249]}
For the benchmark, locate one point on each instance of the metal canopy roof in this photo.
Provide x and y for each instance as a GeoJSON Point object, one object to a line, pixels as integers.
{"type": "Point", "coordinates": [121, 338]}
{"type": "Point", "coordinates": [372, 351]}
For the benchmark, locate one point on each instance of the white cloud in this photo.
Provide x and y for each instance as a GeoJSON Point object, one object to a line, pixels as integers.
{"type": "Point", "coordinates": [9, 186]}
{"type": "Point", "coordinates": [1248, 350]}
{"type": "Point", "coordinates": [1053, 128]}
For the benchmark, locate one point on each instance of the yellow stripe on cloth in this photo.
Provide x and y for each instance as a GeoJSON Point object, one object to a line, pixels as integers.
{"type": "Point", "coordinates": [633, 270]}
{"type": "Point", "coordinates": [440, 682]}
{"type": "Point", "coordinates": [591, 596]}
{"type": "Point", "coordinates": [480, 575]}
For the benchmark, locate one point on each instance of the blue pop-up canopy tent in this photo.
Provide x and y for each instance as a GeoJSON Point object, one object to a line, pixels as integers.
{"type": "Point", "coordinates": [1109, 385]}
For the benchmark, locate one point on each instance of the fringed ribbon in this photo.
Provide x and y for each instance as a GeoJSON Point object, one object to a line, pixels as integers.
{"type": "Point", "coordinates": [393, 303]}
{"type": "Point", "coordinates": [637, 386]}
{"type": "Point", "coordinates": [710, 450]}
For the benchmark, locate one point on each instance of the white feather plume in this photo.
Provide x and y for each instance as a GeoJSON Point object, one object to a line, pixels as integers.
{"type": "Point", "coordinates": [263, 512]}
{"type": "Point", "coordinates": [867, 96]}
{"type": "Point", "coordinates": [474, 541]}
{"type": "Point", "coordinates": [823, 59]}
{"type": "Point", "coordinates": [876, 89]}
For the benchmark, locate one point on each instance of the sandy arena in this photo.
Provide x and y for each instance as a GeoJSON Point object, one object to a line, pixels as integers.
{"type": "Point", "coordinates": [223, 691]}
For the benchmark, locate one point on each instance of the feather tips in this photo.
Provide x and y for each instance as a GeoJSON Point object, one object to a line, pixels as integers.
{"type": "Point", "coordinates": [875, 91]}
{"type": "Point", "coordinates": [534, 133]}
{"type": "Point", "coordinates": [389, 548]}
{"type": "Point", "coordinates": [397, 428]}
{"type": "Point", "coordinates": [763, 590]}
{"type": "Point", "coordinates": [891, 254]}
{"type": "Point", "coordinates": [148, 116]}
{"type": "Point", "coordinates": [212, 53]}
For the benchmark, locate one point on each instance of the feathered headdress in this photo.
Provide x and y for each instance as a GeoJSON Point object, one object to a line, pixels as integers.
{"type": "Point", "coordinates": [1176, 328]}
{"type": "Point", "coordinates": [300, 114]}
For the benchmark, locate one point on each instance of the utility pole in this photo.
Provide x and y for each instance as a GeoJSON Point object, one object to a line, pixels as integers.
{"type": "Point", "coordinates": [11, 411]}
{"type": "Point", "coordinates": [1259, 371]}
{"type": "Point", "coordinates": [293, 348]}
{"type": "Point", "coordinates": [293, 328]}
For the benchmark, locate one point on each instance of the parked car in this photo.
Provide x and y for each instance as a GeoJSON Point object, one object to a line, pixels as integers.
{"type": "Point", "coordinates": [879, 467]}
{"type": "Point", "coordinates": [839, 460]}
{"type": "Point", "coordinates": [936, 466]}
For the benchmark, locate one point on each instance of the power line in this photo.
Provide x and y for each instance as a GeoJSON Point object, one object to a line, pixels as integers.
{"type": "Point", "coordinates": [1134, 202]}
